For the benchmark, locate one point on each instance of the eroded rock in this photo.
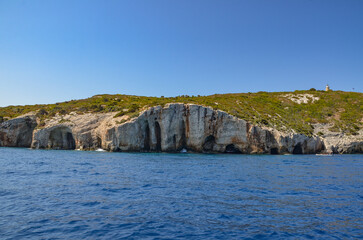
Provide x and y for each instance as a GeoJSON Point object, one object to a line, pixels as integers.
{"type": "Point", "coordinates": [172, 128]}
{"type": "Point", "coordinates": [202, 129]}
{"type": "Point", "coordinates": [17, 132]}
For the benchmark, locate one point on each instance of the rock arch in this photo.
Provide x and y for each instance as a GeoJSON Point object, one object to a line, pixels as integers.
{"type": "Point", "coordinates": [209, 143]}
{"type": "Point", "coordinates": [99, 142]}
{"type": "Point", "coordinates": [297, 149]}
{"type": "Point", "coordinates": [274, 151]}
{"type": "Point", "coordinates": [158, 136]}
{"type": "Point", "coordinates": [147, 139]}
{"type": "Point", "coordinates": [61, 138]}
{"type": "Point", "coordinates": [231, 148]}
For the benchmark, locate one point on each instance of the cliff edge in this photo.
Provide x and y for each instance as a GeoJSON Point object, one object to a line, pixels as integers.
{"type": "Point", "coordinates": [172, 128]}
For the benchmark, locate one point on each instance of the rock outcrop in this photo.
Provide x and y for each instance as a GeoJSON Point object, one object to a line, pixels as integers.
{"type": "Point", "coordinates": [73, 131]}
{"type": "Point", "coordinates": [17, 132]}
{"type": "Point", "coordinates": [340, 143]}
{"type": "Point", "coordinates": [162, 129]}
{"type": "Point", "coordinates": [201, 129]}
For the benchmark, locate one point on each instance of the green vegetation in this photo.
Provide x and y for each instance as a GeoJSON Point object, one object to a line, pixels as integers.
{"type": "Point", "coordinates": [63, 120]}
{"type": "Point", "coordinates": [342, 109]}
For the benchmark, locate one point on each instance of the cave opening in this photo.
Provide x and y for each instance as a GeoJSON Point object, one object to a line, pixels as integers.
{"type": "Point", "coordinates": [209, 143]}
{"type": "Point", "coordinates": [70, 143]}
{"type": "Point", "coordinates": [183, 140]}
{"type": "Point", "coordinates": [147, 138]}
{"type": "Point", "coordinates": [297, 149]}
{"type": "Point", "coordinates": [158, 136]}
{"type": "Point", "coordinates": [230, 148]}
{"type": "Point", "coordinates": [99, 142]}
{"type": "Point", "coordinates": [61, 138]}
{"type": "Point", "coordinates": [274, 151]}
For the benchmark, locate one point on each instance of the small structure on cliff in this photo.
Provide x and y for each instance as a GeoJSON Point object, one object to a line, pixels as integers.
{"type": "Point", "coordinates": [327, 88]}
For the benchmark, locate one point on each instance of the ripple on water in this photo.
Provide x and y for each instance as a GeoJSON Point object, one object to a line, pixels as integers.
{"type": "Point", "coordinates": [77, 195]}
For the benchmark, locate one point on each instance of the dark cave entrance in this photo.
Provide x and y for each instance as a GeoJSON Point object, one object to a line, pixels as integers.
{"type": "Point", "coordinates": [61, 138]}
{"type": "Point", "coordinates": [158, 137]}
{"type": "Point", "coordinates": [70, 144]}
{"type": "Point", "coordinates": [147, 138]}
{"type": "Point", "coordinates": [297, 149]}
{"type": "Point", "coordinates": [274, 151]}
{"type": "Point", "coordinates": [230, 148]}
{"type": "Point", "coordinates": [99, 142]}
{"type": "Point", "coordinates": [209, 143]}
{"type": "Point", "coordinates": [183, 139]}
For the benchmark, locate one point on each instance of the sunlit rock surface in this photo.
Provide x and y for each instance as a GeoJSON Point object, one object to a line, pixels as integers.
{"type": "Point", "coordinates": [172, 128]}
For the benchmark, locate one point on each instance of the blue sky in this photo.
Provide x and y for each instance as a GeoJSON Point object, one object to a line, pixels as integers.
{"type": "Point", "coordinates": [52, 51]}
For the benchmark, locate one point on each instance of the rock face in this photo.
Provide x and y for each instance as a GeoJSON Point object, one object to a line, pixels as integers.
{"type": "Point", "coordinates": [201, 129]}
{"type": "Point", "coordinates": [338, 142]}
{"type": "Point", "coordinates": [17, 132]}
{"type": "Point", "coordinates": [72, 132]}
{"type": "Point", "coordinates": [343, 144]}
{"type": "Point", "coordinates": [57, 137]}
{"type": "Point", "coordinates": [169, 129]}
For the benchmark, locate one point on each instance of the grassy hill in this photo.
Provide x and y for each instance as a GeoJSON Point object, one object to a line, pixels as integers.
{"type": "Point", "coordinates": [281, 110]}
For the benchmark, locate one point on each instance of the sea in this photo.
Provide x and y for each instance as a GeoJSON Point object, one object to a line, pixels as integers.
{"type": "Point", "coordinates": [55, 194]}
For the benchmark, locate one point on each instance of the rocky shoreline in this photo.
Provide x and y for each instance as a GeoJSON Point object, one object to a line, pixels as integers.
{"type": "Point", "coordinates": [172, 128]}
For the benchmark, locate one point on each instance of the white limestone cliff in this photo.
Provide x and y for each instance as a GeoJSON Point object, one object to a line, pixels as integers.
{"type": "Point", "coordinates": [165, 129]}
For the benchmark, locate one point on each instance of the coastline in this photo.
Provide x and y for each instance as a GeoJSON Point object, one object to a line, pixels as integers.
{"type": "Point", "coordinates": [171, 128]}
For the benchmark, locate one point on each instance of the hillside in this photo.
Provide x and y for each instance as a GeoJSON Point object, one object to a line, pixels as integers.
{"type": "Point", "coordinates": [288, 111]}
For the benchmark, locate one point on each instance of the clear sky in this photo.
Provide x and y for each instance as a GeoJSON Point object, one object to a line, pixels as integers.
{"type": "Point", "coordinates": [52, 51]}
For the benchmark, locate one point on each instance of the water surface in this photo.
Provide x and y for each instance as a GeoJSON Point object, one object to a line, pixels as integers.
{"type": "Point", "coordinates": [99, 195]}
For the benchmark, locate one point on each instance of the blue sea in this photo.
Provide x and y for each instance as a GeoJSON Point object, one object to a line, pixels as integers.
{"type": "Point", "coordinates": [49, 194]}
